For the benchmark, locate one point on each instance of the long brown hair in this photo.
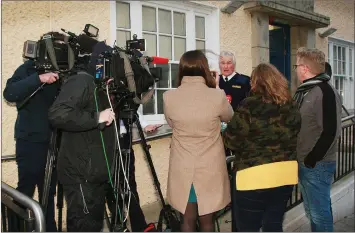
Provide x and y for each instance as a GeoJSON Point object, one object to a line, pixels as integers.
{"type": "Point", "coordinates": [267, 81]}
{"type": "Point", "coordinates": [194, 63]}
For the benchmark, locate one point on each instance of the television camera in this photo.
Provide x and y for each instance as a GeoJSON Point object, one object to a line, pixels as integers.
{"type": "Point", "coordinates": [56, 52]}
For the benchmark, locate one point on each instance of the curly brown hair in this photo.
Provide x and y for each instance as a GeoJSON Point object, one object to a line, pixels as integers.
{"type": "Point", "coordinates": [267, 81]}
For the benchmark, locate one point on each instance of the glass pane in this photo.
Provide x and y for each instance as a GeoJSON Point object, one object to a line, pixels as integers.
{"type": "Point", "coordinates": [343, 53]}
{"type": "Point", "coordinates": [350, 55]}
{"type": "Point", "coordinates": [160, 101]}
{"type": "Point", "coordinates": [122, 36]}
{"type": "Point", "coordinates": [335, 63]}
{"type": "Point", "coordinates": [342, 96]}
{"type": "Point", "coordinates": [339, 53]}
{"type": "Point", "coordinates": [200, 27]}
{"type": "Point", "coordinates": [179, 24]}
{"type": "Point", "coordinates": [341, 83]}
{"type": "Point", "coordinates": [164, 81]}
{"type": "Point", "coordinates": [339, 67]}
{"type": "Point", "coordinates": [148, 108]}
{"type": "Point", "coordinates": [335, 52]}
{"type": "Point", "coordinates": [122, 15]}
{"type": "Point", "coordinates": [164, 21]}
{"type": "Point", "coordinates": [351, 69]}
{"type": "Point", "coordinates": [151, 43]}
{"type": "Point", "coordinates": [165, 46]}
{"type": "Point", "coordinates": [179, 48]}
{"type": "Point", "coordinates": [149, 19]}
{"type": "Point", "coordinates": [174, 75]}
{"type": "Point", "coordinates": [337, 83]}
{"type": "Point", "coordinates": [200, 44]}
{"type": "Point", "coordinates": [343, 70]}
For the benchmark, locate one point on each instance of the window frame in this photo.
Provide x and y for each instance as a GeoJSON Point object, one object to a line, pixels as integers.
{"type": "Point", "coordinates": [347, 80]}
{"type": "Point", "coordinates": [191, 9]}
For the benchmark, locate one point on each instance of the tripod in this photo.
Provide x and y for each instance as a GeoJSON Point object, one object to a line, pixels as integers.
{"type": "Point", "coordinates": [50, 166]}
{"type": "Point", "coordinates": [129, 114]}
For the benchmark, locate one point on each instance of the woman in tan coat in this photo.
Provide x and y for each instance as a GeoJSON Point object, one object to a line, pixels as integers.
{"type": "Point", "coordinates": [197, 166]}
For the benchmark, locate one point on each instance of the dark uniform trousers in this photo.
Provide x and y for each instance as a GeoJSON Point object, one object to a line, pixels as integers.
{"type": "Point", "coordinates": [31, 158]}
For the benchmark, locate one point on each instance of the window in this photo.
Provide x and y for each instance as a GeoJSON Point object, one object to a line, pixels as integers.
{"type": "Point", "coordinates": [339, 70]}
{"type": "Point", "coordinates": [170, 29]}
{"type": "Point", "coordinates": [341, 57]}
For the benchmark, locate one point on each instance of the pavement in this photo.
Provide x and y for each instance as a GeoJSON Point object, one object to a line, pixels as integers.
{"type": "Point", "coordinates": [346, 224]}
{"type": "Point", "coordinates": [343, 225]}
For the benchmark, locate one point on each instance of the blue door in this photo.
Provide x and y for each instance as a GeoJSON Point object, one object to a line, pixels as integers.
{"type": "Point", "coordinates": [279, 44]}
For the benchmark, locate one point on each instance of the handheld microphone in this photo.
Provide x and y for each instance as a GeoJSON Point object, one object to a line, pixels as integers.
{"type": "Point", "coordinates": [158, 60]}
{"type": "Point", "coordinates": [229, 98]}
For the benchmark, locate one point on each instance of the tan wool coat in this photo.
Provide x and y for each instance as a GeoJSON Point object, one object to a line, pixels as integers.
{"type": "Point", "coordinates": [195, 111]}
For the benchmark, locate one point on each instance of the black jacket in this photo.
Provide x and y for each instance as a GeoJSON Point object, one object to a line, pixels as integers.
{"type": "Point", "coordinates": [32, 119]}
{"type": "Point", "coordinates": [81, 153]}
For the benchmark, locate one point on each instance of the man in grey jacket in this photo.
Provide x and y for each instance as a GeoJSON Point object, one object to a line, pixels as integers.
{"type": "Point", "coordinates": [320, 107]}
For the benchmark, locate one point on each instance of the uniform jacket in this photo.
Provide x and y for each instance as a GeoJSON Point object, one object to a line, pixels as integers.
{"type": "Point", "coordinates": [238, 88]}
{"type": "Point", "coordinates": [32, 119]}
{"type": "Point", "coordinates": [194, 112]}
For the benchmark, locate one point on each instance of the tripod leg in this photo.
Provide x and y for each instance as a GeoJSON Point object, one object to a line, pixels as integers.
{"type": "Point", "coordinates": [146, 148]}
{"type": "Point", "coordinates": [60, 207]}
{"type": "Point", "coordinates": [47, 182]}
{"type": "Point", "coordinates": [51, 155]}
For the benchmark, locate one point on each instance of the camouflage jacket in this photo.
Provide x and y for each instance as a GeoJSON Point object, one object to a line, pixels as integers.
{"type": "Point", "coordinates": [261, 133]}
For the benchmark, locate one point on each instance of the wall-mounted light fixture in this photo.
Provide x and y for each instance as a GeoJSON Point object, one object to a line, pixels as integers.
{"type": "Point", "coordinates": [327, 32]}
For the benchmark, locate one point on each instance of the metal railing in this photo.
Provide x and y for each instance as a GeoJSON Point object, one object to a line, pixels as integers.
{"type": "Point", "coordinates": [16, 218]}
{"type": "Point", "coordinates": [345, 158]}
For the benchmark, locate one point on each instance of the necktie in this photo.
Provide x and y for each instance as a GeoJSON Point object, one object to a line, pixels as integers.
{"type": "Point", "coordinates": [225, 79]}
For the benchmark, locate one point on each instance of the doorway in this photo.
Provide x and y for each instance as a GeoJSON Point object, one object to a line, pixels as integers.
{"type": "Point", "coordinates": [279, 45]}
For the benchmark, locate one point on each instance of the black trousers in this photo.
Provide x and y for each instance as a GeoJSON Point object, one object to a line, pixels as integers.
{"type": "Point", "coordinates": [263, 208]}
{"type": "Point", "coordinates": [85, 206]}
{"type": "Point", "coordinates": [86, 202]}
{"type": "Point", "coordinates": [136, 215]}
{"type": "Point", "coordinates": [31, 161]}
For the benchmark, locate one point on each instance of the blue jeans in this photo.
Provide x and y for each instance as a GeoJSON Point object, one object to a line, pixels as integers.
{"type": "Point", "coordinates": [315, 186]}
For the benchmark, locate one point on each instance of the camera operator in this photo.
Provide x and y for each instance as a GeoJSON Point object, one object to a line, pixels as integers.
{"type": "Point", "coordinates": [33, 131]}
{"type": "Point", "coordinates": [82, 161]}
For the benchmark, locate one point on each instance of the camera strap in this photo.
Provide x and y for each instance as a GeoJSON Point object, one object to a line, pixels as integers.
{"type": "Point", "coordinates": [49, 45]}
{"type": "Point", "coordinates": [130, 79]}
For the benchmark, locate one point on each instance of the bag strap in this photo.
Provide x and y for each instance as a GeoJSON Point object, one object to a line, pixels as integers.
{"type": "Point", "coordinates": [131, 82]}
{"type": "Point", "coordinates": [50, 49]}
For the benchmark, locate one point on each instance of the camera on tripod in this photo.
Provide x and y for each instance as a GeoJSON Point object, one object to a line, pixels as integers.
{"type": "Point", "coordinates": [58, 52]}
{"type": "Point", "coordinates": [131, 73]}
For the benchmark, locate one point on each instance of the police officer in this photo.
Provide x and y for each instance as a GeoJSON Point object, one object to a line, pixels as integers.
{"type": "Point", "coordinates": [235, 85]}
{"type": "Point", "coordinates": [32, 130]}
{"type": "Point", "coordinates": [237, 88]}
